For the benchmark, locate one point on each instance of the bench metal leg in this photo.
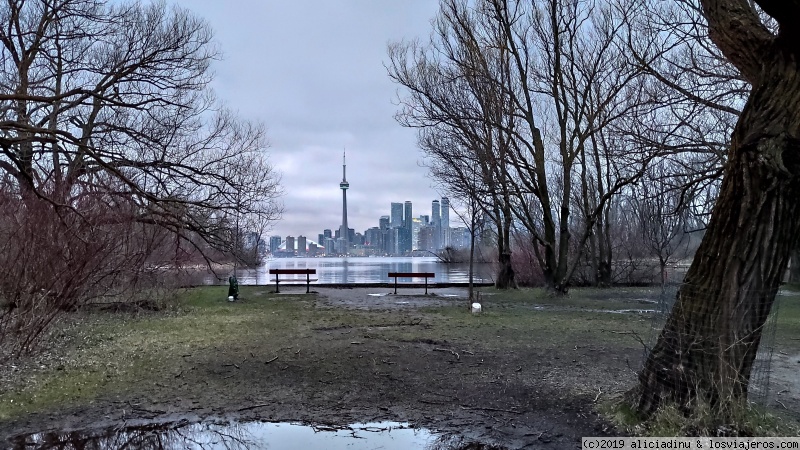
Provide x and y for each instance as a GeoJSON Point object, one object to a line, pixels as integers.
{"type": "Point", "coordinates": [277, 289]}
{"type": "Point", "coordinates": [395, 285]}
{"type": "Point", "coordinates": [308, 283]}
{"type": "Point", "coordinates": [426, 285]}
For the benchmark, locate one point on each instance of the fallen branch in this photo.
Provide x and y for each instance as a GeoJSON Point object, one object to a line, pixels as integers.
{"type": "Point", "coordinates": [599, 393]}
{"type": "Point", "coordinates": [781, 403]}
{"type": "Point", "coordinates": [247, 408]}
{"type": "Point", "coordinates": [273, 359]}
{"type": "Point", "coordinates": [230, 365]}
{"type": "Point", "coordinates": [491, 409]}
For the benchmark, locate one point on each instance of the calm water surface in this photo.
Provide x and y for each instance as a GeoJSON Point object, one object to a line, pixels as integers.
{"type": "Point", "coordinates": [239, 436]}
{"type": "Point", "coordinates": [365, 270]}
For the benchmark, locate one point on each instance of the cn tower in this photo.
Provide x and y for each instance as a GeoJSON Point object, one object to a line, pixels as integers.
{"type": "Point", "coordinates": [344, 232]}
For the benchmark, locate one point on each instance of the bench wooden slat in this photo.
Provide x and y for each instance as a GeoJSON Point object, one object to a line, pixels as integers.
{"type": "Point", "coordinates": [306, 272]}
{"type": "Point", "coordinates": [425, 275]}
{"type": "Point", "coordinates": [411, 274]}
{"type": "Point", "coordinates": [292, 271]}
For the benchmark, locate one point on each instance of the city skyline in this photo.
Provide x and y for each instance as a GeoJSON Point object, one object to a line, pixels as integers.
{"type": "Point", "coordinates": [409, 227]}
{"type": "Point", "coordinates": [337, 95]}
{"type": "Point", "coordinates": [365, 218]}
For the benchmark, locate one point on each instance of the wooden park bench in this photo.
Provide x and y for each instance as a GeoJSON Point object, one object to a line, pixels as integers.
{"type": "Point", "coordinates": [425, 275]}
{"type": "Point", "coordinates": [306, 272]}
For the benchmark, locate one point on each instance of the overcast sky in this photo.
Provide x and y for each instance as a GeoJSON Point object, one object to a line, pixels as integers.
{"type": "Point", "coordinates": [312, 71]}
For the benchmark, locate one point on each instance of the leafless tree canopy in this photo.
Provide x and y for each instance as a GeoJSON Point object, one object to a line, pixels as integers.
{"type": "Point", "coordinates": [108, 128]}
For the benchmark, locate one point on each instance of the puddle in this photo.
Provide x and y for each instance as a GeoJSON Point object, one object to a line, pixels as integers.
{"type": "Point", "coordinates": [243, 436]}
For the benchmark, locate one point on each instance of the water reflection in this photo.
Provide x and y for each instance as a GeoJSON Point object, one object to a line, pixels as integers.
{"type": "Point", "coordinates": [364, 270]}
{"type": "Point", "coordinates": [243, 436]}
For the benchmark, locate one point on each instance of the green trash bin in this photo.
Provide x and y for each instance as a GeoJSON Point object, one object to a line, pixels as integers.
{"type": "Point", "coordinates": [233, 289]}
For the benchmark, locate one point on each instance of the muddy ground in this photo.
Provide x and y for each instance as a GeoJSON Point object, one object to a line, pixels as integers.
{"type": "Point", "coordinates": [529, 372]}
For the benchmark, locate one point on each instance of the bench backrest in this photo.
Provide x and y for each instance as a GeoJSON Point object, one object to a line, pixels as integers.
{"type": "Point", "coordinates": [292, 271]}
{"type": "Point", "coordinates": [412, 274]}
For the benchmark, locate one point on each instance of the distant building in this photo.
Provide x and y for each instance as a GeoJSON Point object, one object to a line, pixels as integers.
{"type": "Point", "coordinates": [392, 241]}
{"type": "Point", "coordinates": [313, 249]}
{"type": "Point", "coordinates": [397, 215]}
{"type": "Point", "coordinates": [405, 239]}
{"type": "Point", "coordinates": [436, 221]}
{"type": "Point", "coordinates": [445, 219]}
{"type": "Point", "coordinates": [290, 244]}
{"type": "Point", "coordinates": [373, 238]}
{"type": "Point", "coordinates": [384, 223]}
{"type": "Point", "coordinates": [320, 238]}
{"type": "Point", "coordinates": [459, 238]}
{"type": "Point", "coordinates": [426, 238]}
{"type": "Point", "coordinates": [302, 245]}
{"type": "Point", "coordinates": [274, 243]}
{"type": "Point", "coordinates": [416, 224]}
{"type": "Point", "coordinates": [330, 246]}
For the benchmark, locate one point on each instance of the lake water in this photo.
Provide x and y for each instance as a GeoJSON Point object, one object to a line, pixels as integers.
{"type": "Point", "coordinates": [366, 270]}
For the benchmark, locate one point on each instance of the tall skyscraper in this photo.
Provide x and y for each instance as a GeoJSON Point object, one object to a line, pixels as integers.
{"type": "Point", "coordinates": [302, 244]}
{"type": "Point", "coordinates": [383, 223]}
{"type": "Point", "coordinates": [407, 227]}
{"type": "Point", "coordinates": [416, 224]}
{"type": "Point", "coordinates": [344, 185]}
{"type": "Point", "coordinates": [436, 222]}
{"type": "Point", "coordinates": [445, 222]}
{"type": "Point", "coordinates": [397, 215]}
{"type": "Point", "coordinates": [289, 243]}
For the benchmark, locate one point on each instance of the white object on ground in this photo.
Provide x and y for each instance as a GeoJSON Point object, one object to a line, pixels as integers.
{"type": "Point", "coordinates": [230, 299]}
{"type": "Point", "coordinates": [476, 308]}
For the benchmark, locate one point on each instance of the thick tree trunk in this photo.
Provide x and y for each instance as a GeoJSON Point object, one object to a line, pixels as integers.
{"type": "Point", "coordinates": [708, 344]}
{"type": "Point", "coordinates": [505, 273]}
{"type": "Point", "coordinates": [794, 271]}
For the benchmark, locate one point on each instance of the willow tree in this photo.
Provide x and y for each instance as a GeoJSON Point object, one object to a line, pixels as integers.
{"type": "Point", "coordinates": [706, 350]}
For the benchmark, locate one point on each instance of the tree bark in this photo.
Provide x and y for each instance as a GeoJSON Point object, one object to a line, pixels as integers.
{"type": "Point", "coordinates": [707, 347]}
{"type": "Point", "coordinates": [794, 271]}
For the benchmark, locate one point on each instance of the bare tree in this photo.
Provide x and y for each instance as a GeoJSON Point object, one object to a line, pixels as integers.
{"type": "Point", "coordinates": [662, 217]}
{"type": "Point", "coordinates": [462, 116]}
{"type": "Point", "coordinates": [107, 124]}
{"type": "Point", "coordinates": [707, 347]}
